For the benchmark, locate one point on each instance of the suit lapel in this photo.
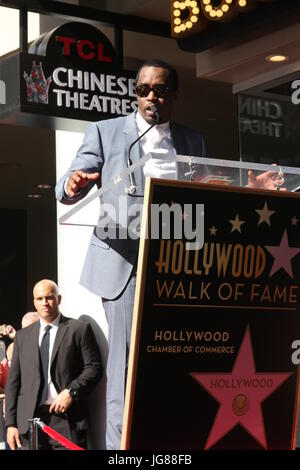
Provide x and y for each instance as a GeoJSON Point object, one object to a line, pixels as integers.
{"type": "Point", "coordinates": [61, 331]}
{"type": "Point", "coordinates": [34, 340]}
{"type": "Point", "coordinates": [178, 141]}
{"type": "Point", "coordinates": [131, 134]}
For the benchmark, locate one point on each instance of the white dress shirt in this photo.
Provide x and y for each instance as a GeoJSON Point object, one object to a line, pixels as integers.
{"type": "Point", "coordinates": [157, 140]}
{"type": "Point", "coordinates": [52, 393]}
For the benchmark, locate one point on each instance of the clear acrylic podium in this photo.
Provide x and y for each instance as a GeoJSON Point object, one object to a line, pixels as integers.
{"type": "Point", "coordinates": [239, 291]}
{"type": "Point", "coordinates": [182, 168]}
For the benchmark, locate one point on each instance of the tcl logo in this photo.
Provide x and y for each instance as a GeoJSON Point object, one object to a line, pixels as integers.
{"type": "Point", "coordinates": [83, 48]}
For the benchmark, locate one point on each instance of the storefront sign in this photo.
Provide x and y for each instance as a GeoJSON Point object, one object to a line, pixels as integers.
{"type": "Point", "coordinates": [260, 116]}
{"type": "Point", "coordinates": [71, 72]}
{"type": "Point", "coordinates": [268, 129]}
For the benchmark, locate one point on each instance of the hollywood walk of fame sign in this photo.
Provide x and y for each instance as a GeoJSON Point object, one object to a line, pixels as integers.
{"type": "Point", "coordinates": [212, 364]}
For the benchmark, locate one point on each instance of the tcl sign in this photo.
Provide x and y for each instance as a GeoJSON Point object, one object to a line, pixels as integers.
{"type": "Point", "coordinates": [84, 48]}
{"type": "Point", "coordinates": [70, 75]}
{"type": "Point", "coordinates": [78, 44]}
{"type": "Point", "coordinates": [73, 71]}
{"type": "Point", "coordinates": [190, 17]}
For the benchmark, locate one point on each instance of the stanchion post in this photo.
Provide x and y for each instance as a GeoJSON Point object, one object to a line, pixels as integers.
{"type": "Point", "coordinates": [2, 425]}
{"type": "Point", "coordinates": [33, 435]}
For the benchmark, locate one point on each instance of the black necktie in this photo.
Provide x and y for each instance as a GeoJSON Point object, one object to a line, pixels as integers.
{"type": "Point", "coordinates": [44, 354]}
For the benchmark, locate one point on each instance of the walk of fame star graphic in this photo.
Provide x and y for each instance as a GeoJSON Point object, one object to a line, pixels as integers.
{"type": "Point", "coordinates": [236, 224]}
{"type": "Point", "coordinates": [240, 394]}
{"type": "Point", "coordinates": [282, 255]}
{"type": "Point", "coordinates": [264, 215]}
{"type": "Point", "coordinates": [213, 231]}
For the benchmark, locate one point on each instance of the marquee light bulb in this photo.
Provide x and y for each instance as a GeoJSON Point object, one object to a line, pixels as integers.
{"type": "Point", "coordinates": [204, 11]}
{"type": "Point", "coordinates": [277, 58]}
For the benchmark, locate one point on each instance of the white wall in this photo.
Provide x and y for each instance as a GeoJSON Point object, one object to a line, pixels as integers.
{"type": "Point", "coordinates": [78, 302]}
{"type": "Point", "coordinates": [9, 29]}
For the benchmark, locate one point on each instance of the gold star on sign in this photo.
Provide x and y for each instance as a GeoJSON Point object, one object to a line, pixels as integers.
{"type": "Point", "coordinates": [213, 230]}
{"type": "Point", "coordinates": [236, 224]}
{"type": "Point", "coordinates": [264, 215]}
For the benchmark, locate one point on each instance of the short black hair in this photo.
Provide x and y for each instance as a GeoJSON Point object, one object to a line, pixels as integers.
{"type": "Point", "coordinates": [172, 74]}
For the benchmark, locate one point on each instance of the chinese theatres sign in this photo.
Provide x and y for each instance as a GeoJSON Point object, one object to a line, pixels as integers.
{"type": "Point", "coordinates": [70, 73]}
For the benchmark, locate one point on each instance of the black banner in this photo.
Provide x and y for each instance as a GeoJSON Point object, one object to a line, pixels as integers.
{"type": "Point", "coordinates": [71, 75]}
{"type": "Point", "coordinates": [216, 354]}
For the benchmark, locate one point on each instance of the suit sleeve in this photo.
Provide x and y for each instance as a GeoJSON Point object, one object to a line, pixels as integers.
{"type": "Point", "coordinates": [12, 387]}
{"type": "Point", "coordinates": [89, 158]}
{"type": "Point", "coordinates": [92, 365]}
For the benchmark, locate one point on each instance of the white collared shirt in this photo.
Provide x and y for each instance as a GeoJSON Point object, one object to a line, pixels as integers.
{"type": "Point", "coordinates": [52, 393]}
{"type": "Point", "coordinates": [158, 140]}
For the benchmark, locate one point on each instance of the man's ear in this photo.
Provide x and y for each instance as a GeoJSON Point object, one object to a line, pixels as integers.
{"type": "Point", "coordinates": [59, 299]}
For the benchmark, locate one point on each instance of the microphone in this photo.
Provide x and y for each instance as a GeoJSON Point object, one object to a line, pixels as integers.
{"type": "Point", "coordinates": [132, 188]}
{"type": "Point", "coordinates": [154, 110]}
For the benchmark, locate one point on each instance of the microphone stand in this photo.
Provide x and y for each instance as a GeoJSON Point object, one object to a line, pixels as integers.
{"type": "Point", "coordinates": [132, 188]}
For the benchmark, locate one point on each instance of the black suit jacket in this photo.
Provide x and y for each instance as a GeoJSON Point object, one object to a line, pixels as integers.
{"type": "Point", "coordinates": [75, 363]}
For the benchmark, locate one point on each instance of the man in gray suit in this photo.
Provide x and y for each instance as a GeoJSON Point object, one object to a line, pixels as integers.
{"type": "Point", "coordinates": [110, 266]}
{"type": "Point", "coordinates": [56, 390]}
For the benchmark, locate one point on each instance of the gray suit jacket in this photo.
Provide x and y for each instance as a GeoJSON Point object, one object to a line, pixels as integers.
{"type": "Point", "coordinates": [75, 363]}
{"type": "Point", "coordinates": [109, 263]}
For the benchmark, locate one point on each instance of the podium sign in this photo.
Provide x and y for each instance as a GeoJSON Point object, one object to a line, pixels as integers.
{"type": "Point", "coordinates": [216, 330]}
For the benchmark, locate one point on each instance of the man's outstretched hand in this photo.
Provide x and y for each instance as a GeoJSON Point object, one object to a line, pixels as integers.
{"type": "Point", "coordinates": [266, 180]}
{"type": "Point", "coordinates": [78, 180]}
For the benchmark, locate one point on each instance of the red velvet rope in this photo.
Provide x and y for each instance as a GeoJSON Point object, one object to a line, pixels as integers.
{"type": "Point", "coordinates": [61, 439]}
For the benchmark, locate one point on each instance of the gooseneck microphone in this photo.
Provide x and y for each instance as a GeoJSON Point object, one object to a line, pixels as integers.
{"type": "Point", "coordinates": [132, 188]}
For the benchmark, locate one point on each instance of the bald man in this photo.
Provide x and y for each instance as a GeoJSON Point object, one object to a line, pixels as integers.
{"type": "Point", "coordinates": [56, 362]}
{"type": "Point", "coordinates": [29, 318]}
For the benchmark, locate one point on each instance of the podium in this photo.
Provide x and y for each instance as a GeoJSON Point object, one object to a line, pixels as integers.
{"type": "Point", "coordinates": [215, 345]}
